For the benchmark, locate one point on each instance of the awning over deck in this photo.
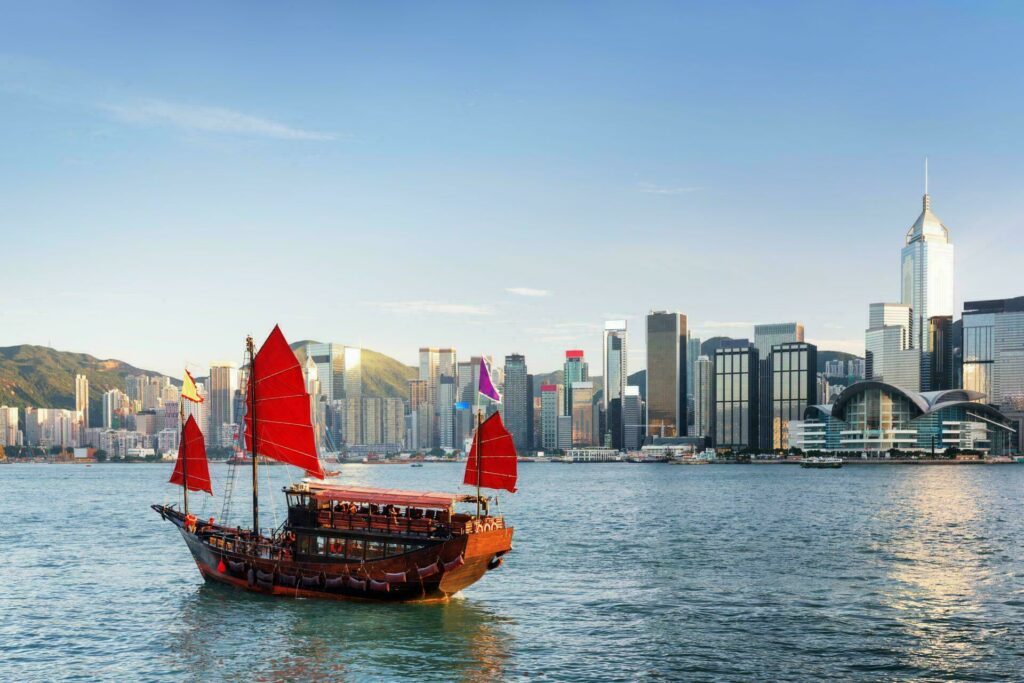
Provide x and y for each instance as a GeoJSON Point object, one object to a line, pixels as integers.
{"type": "Point", "coordinates": [366, 494]}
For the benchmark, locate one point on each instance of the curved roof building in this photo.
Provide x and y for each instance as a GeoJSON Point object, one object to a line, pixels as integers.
{"type": "Point", "coordinates": [877, 416]}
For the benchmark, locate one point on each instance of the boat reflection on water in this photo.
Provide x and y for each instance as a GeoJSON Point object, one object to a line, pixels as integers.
{"type": "Point", "coordinates": [227, 634]}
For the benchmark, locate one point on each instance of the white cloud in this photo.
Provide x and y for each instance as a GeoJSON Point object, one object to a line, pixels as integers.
{"type": "Point", "coordinates": [651, 188]}
{"type": "Point", "coordinates": [432, 307]}
{"type": "Point", "coordinates": [527, 291]}
{"type": "Point", "coordinates": [208, 119]}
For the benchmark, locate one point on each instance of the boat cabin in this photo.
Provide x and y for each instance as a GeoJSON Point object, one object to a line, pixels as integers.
{"type": "Point", "coordinates": [356, 524]}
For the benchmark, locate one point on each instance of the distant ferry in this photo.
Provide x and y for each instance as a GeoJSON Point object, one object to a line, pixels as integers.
{"type": "Point", "coordinates": [822, 463]}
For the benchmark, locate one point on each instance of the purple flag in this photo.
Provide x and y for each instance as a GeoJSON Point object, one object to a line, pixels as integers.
{"type": "Point", "coordinates": [486, 386]}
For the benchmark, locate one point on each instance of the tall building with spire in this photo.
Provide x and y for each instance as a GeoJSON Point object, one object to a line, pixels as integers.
{"type": "Point", "coordinates": [927, 281]}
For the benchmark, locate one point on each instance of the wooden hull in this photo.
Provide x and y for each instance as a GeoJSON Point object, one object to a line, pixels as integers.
{"type": "Point", "coordinates": [468, 557]}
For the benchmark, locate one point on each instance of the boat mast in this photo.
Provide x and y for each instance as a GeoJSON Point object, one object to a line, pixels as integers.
{"type": "Point", "coordinates": [182, 452]}
{"type": "Point", "coordinates": [255, 480]}
{"type": "Point", "coordinates": [479, 457]}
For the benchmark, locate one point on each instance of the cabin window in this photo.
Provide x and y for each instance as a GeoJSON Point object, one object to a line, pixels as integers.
{"type": "Point", "coordinates": [303, 544]}
{"type": "Point", "coordinates": [394, 549]}
{"type": "Point", "coordinates": [355, 549]}
{"type": "Point", "coordinates": [374, 550]}
{"type": "Point", "coordinates": [336, 547]}
{"type": "Point", "coordinates": [321, 545]}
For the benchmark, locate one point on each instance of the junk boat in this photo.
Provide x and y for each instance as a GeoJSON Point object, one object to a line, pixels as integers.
{"type": "Point", "coordinates": [339, 541]}
{"type": "Point", "coordinates": [822, 463]}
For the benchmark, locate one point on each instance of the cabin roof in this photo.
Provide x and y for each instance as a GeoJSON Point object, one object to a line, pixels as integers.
{"type": "Point", "coordinates": [366, 494]}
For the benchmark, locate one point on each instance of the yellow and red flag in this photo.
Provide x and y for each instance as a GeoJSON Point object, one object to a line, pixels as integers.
{"type": "Point", "coordinates": [189, 390]}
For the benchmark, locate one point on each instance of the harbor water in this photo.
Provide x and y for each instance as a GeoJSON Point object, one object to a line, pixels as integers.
{"type": "Point", "coordinates": [619, 572]}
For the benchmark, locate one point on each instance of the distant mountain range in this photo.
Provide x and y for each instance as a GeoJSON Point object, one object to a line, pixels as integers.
{"type": "Point", "coordinates": [383, 376]}
{"type": "Point", "coordinates": [41, 377]}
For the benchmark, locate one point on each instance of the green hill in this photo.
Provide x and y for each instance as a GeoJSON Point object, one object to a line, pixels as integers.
{"type": "Point", "coordinates": [41, 377]}
{"type": "Point", "coordinates": [383, 376]}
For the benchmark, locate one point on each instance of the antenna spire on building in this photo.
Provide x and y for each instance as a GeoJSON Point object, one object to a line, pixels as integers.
{"type": "Point", "coordinates": [927, 199]}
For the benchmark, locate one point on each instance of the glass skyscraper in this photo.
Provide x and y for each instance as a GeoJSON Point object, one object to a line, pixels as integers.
{"type": "Point", "coordinates": [574, 370]}
{"type": "Point", "coordinates": [666, 374]}
{"type": "Point", "coordinates": [615, 376]}
{"type": "Point", "coordinates": [517, 411]}
{"type": "Point", "coordinates": [993, 350]}
{"type": "Point", "coordinates": [736, 397]}
{"type": "Point", "coordinates": [927, 283]}
{"type": "Point", "coordinates": [793, 387]}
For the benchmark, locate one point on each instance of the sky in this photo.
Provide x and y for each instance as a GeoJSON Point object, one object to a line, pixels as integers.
{"type": "Point", "coordinates": [495, 177]}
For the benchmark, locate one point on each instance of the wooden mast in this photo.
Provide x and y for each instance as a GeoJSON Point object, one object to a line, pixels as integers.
{"type": "Point", "coordinates": [182, 451]}
{"type": "Point", "coordinates": [479, 457]}
{"type": "Point", "coordinates": [255, 470]}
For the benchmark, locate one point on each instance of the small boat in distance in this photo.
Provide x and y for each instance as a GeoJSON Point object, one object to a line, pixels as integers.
{"type": "Point", "coordinates": [340, 541]}
{"type": "Point", "coordinates": [822, 462]}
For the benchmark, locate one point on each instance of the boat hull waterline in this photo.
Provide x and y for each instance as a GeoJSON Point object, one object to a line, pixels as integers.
{"type": "Point", "coordinates": [469, 557]}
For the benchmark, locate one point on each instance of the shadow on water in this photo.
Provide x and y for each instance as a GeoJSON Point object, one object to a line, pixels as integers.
{"type": "Point", "coordinates": [230, 634]}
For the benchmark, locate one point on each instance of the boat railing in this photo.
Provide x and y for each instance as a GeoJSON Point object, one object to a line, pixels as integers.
{"type": "Point", "coordinates": [242, 545]}
{"type": "Point", "coordinates": [424, 526]}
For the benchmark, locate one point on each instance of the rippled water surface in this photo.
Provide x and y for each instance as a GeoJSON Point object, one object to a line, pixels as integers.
{"type": "Point", "coordinates": [619, 572]}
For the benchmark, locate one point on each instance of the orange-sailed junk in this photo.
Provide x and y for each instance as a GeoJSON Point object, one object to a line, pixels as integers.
{"type": "Point", "coordinates": [341, 541]}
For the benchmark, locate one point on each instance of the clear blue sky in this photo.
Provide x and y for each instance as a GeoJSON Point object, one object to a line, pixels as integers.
{"type": "Point", "coordinates": [176, 175]}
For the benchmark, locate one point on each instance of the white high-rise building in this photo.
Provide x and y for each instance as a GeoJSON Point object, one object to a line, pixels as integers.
{"type": "Point", "coordinates": [703, 399]}
{"type": "Point", "coordinates": [927, 281]}
{"type": "Point", "coordinates": [353, 372]}
{"type": "Point", "coordinates": [889, 356]}
{"type": "Point", "coordinates": [9, 432]}
{"type": "Point", "coordinates": [82, 398]}
{"type": "Point", "coordinates": [615, 378]}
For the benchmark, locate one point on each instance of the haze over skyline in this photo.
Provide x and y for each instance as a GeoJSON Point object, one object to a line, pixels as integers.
{"type": "Point", "coordinates": [497, 179]}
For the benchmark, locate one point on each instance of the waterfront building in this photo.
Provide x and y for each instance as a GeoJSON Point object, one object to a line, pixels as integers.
{"type": "Point", "coordinates": [564, 432]}
{"type": "Point", "coordinates": [446, 412]}
{"type": "Point", "coordinates": [574, 370]}
{"type": "Point", "coordinates": [767, 336]}
{"type": "Point", "coordinates": [793, 388]}
{"type": "Point", "coordinates": [465, 391]}
{"type": "Point", "coordinates": [888, 355]}
{"type": "Point", "coordinates": [49, 427]}
{"type": "Point", "coordinates": [736, 397]}
{"type": "Point", "coordinates": [373, 409]}
{"type": "Point", "coordinates": [927, 283]}
{"type": "Point", "coordinates": [10, 434]}
{"type": "Point", "coordinates": [516, 401]}
{"type": "Point", "coordinates": [615, 376]}
{"type": "Point", "coordinates": [632, 418]}
{"type": "Point", "coordinates": [593, 454]}
{"type": "Point", "coordinates": [223, 383]}
{"type": "Point", "coordinates": [874, 417]}
{"type": "Point", "coordinates": [549, 412]}
{"type": "Point", "coordinates": [82, 398]}
{"type": "Point", "coordinates": [352, 421]}
{"type": "Point", "coordinates": [584, 417]}
{"type": "Point", "coordinates": [993, 350]}
{"type": "Point", "coordinates": [115, 406]}
{"type": "Point", "coordinates": [393, 421]}
{"type": "Point", "coordinates": [703, 396]}
{"type": "Point", "coordinates": [692, 354]}
{"type": "Point", "coordinates": [666, 373]}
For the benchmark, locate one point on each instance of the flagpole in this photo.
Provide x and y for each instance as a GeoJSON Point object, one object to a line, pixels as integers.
{"type": "Point", "coordinates": [479, 458]}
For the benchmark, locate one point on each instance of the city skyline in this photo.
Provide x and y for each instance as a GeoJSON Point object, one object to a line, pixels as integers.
{"type": "Point", "coordinates": [144, 185]}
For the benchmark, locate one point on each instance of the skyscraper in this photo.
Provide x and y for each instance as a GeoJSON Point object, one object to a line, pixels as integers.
{"type": "Point", "coordinates": [82, 398]}
{"type": "Point", "coordinates": [584, 421]}
{"type": "Point", "coordinates": [446, 412]}
{"type": "Point", "coordinates": [418, 405]}
{"type": "Point", "coordinates": [632, 418]}
{"type": "Point", "coordinates": [766, 337]}
{"type": "Point", "coordinates": [373, 409]}
{"type": "Point", "coordinates": [393, 421]}
{"type": "Point", "coordinates": [888, 355]}
{"type": "Point", "coordinates": [330, 367]}
{"type": "Point", "coordinates": [574, 370]}
{"type": "Point", "coordinates": [615, 375]}
{"type": "Point", "coordinates": [115, 407]}
{"type": "Point", "coordinates": [353, 374]}
{"type": "Point", "coordinates": [736, 397]}
{"type": "Point", "coordinates": [993, 351]}
{"type": "Point", "coordinates": [794, 381]}
{"type": "Point", "coordinates": [9, 431]}
{"type": "Point", "coordinates": [666, 374]}
{"type": "Point", "coordinates": [549, 412]}
{"type": "Point", "coordinates": [692, 354]}
{"type": "Point", "coordinates": [223, 382]}
{"type": "Point", "coordinates": [703, 396]}
{"type": "Point", "coordinates": [927, 282]}
{"type": "Point", "coordinates": [516, 399]}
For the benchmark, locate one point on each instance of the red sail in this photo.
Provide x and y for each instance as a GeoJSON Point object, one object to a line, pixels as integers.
{"type": "Point", "coordinates": [497, 457]}
{"type": "Point", "coordinates": [193, 450]}
{"type": "Point", "coordinates": [284, 431]}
